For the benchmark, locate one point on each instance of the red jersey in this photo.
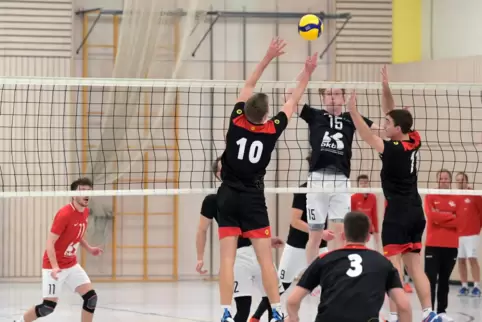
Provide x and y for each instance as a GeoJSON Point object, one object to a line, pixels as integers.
{"type": "Point", "coordinates": [366, 203]}
{"type": "Point", "coordinates": [70, 224]}
{"type": "Point", "coordinates": [441, 221]}
{"type": "Point", "coordinates": [469, 213]}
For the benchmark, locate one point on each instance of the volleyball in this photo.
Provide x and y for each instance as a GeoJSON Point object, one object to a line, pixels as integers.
{"type": "Point", "coordinates": [310, 27]}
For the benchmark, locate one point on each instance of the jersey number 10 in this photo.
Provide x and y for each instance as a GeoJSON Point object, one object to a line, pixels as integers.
{"type": "Point", "coordinates": [255, 150]}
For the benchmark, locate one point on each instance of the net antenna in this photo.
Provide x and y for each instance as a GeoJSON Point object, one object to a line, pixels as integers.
{"type": "Point", "coordinates": [147, 48]}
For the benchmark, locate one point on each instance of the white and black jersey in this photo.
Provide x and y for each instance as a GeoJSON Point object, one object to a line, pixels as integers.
{"type": "Point", "coordinates": [331, 139]}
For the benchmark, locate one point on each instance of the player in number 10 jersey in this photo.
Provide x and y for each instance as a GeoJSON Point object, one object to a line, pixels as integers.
{"type": "Point", "coordinates": [242, 211]}
{"type": "Point", "coordinates": [404, 221]}
{"type": "Point", "coordinates": [60, 265]}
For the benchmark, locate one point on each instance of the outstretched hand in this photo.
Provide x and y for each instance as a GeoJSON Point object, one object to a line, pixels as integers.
{"type": "Point", "coordinates": [311, 63]}
{"type": "Point", "coordinates": [276, 48]}
{"type": "Point", "coordinates": [352, 102]}
{"type": "Point", "coordinates": [276, 242]}
{"type": "Point", "coordinates": [384, 74]}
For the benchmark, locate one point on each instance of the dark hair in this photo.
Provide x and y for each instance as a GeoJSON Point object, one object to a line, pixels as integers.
{"type": "Point", "coordinates": [444, 171]}
{"type": "Point", "coordinates": [466, 177]}
{"type": "Point", "coordinates": [402, 118]}
{"type": "Point", "coordinates": [81, 182]}
{"type": "Point", "coordinates": [357, 227]}
{"type": "Point", "coordinates": [215, 167]}
{"type": "Point", "coordinates": [322, 91]}
{"type": "Point", "coordinates": [256, 108]}
{"type": "Point", "coordinates": [362, 177]}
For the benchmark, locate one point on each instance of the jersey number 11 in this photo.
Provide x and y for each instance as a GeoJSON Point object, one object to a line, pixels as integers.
{"type": "Point", "coordinates": [255, 150]}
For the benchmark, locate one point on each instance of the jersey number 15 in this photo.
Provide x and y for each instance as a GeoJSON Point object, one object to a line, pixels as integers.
{"type": "Point", "coordinates": [255, 150]}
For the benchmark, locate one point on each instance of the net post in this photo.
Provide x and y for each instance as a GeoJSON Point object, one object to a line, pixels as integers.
{"type": "Point", "coordinates": [145, 246]}
{"type": "Point", "coordinates": [114, 233]}
{"type": "Point", "coordinates": [175, 212]}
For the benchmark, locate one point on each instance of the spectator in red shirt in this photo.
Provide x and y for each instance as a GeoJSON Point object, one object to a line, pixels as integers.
{"type": "Point", "coordinates": [367, 203]}
{"type": "Point", "coordinates": [469, 212]}
{"type": "Point", "coordinates": [442, 242]}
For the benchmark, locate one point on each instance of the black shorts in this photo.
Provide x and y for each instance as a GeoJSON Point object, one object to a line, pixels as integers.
{"type": "Point", "coordinates": [242, 213]}
{"type": "Point", "coordinates": [402, 229]}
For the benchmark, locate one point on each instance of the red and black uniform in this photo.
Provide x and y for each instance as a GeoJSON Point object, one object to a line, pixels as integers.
{"type": "Point", "coordinates": [404, 220]}
{"type": "Point", "coordinates": [469, 214]}
{"type": "Point", "coordinates": [366, 203]}
{"type": "Point", "coordinates": [441, 245]}
{"type": "Point", "coordinates": [240, 198]}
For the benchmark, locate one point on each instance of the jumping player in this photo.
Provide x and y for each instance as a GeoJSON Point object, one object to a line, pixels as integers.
{"type": "Point", "coordinates": [247, 272]}
{"type": "Point", "coordinates": [470, 223]}
{"type": "Point", "coordinates": [353, 280]}
{"type": "Point", "coordinates": [250, 140]}
{"type": "Point", "coordinates": [367, 203]}
{"type": "Point", "coordinates": [404, 221]}
{"type": "Point", "coordinates": [441, 242]}
{"type": "Point", "coordinates": [60, 265]}
{"type": "Point", "coordinates": [331, 137]}
{"type": "Point", "coordinates": [292, 261]}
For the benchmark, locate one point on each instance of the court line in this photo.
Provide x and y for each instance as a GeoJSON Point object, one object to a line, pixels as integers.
{"type": "Point", "coordinates": [470, 317]}
{"type": "Point", "coordinates": [147, 313]}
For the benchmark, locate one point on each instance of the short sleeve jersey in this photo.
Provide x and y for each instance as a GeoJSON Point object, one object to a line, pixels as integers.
{"type": "Point", "coordinates": [209, 209]}
{"type": "Point", "coordinates": [297, 238]}
{"type": "Point", "coordinates": [70, 225]}
{"type": "Point", "coordinates": [248, 149]}
{"type": "Point", "coordinates": [331, 139]}
{"type": "Point", "coordinates": [399, 169]}
{"type": "Point", "coordinates": [354, 281]}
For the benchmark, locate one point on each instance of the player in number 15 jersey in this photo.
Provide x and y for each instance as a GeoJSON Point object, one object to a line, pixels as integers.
{"type": "Point", "coordinates": [60, 265]}
{"type": "Point", "coordinates": [242, 210]}
{"type": "Point", "coordinates": [404, 221]}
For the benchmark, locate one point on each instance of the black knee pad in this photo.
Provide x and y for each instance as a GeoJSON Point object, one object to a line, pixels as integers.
{"type": "Point", "coordinates": [243, 307]}
{"type": "Point", "coordinates": [46, 308]}
{"type": "Point", "coordinates": [90, 301]}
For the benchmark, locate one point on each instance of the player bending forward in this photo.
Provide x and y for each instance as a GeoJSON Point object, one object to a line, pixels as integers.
{"type": "Point", "coordinates": [247, 272]}
{"type": "Point", "coordinates": [60, 265]}
{"type": "Point", "coordinates": [404, 220]}
{"type": "Point", "coordinates": [353, 280]}
{"type": "Point", "coordinates": [331, 138]}
{"type": "Point", "coordinates": [242, 211]}
{"type": "Point", "coordinates": [292, 261]}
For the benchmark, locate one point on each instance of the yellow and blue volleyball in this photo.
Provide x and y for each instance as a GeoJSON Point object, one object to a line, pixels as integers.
{"type": "Point", "coordinates": [310, 27]}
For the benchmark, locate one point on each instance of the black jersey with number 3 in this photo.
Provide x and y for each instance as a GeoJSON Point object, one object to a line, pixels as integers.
{"type": "Point", "coordinates": [399, 168]}
{"type": "Point", "coordinates": [248, 149]}
{"type": "Point", "coordinates": [331, 138]}
{"type": "Point", "coordinates": [353, 280]}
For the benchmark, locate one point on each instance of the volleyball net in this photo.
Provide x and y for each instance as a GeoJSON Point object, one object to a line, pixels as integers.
{"type": "Point", "coordinates": [137, 137]}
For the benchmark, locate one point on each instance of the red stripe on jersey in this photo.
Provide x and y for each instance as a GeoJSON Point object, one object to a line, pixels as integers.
{"type": "Point", "coordinates": [229, 232]}
{"type": "Point", "coordinates": [267, 128]}
{"type": "Point", "coordinates": [415, 137]}
{"type": "Point", "coordinates": [258, 233]}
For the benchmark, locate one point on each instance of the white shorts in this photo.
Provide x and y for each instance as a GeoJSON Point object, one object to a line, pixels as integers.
{"type": "Point", "coordinates": [293, 262]}
{"type": "Point", "coordinates": [247, 273]}
{"type": "Point", "coordinates": [73, 277]}
{"type": "Point", "coordinates": [321, 205]}
{"type": "Point", "coordinates": [468, 246]}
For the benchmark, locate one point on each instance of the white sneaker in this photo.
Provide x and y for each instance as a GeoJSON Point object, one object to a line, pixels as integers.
{"type": "Point", "coordinates": [446, 318]}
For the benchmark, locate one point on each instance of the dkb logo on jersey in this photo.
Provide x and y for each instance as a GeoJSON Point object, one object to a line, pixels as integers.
{"type": "Point", "coordinates": [333, 143]}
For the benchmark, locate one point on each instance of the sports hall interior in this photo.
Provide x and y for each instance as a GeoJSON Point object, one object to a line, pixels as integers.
{"type": "Point", "coordinates": [185, 61]}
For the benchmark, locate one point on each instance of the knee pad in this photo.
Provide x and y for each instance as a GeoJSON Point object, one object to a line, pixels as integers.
{"type": "Point", "coordinates": [90, 301]}
{"type": "Point", "coordinates": [46, 308]}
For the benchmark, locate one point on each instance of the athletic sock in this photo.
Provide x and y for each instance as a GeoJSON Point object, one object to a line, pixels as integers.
{"type": "Point", "coordinates": [426, 312]}
{"type": "Point", "coordinates": [476, 284]}
{"type": "Point", "coordinates": [393, 317]}
{"type": "Point", "coordinates": [276, 307]}
{"type": "Point", "coordinates": [465, 284]}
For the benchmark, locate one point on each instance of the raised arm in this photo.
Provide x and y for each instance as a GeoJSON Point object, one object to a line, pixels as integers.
{"type": "Point", "coordinates": [275, 50]}
{"type": "Point", "coordinates": [303, 78]}
{"type": "Point", "coordinates": [388, 103]}
{"type": "Point", "coordinates": [362, 128]}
